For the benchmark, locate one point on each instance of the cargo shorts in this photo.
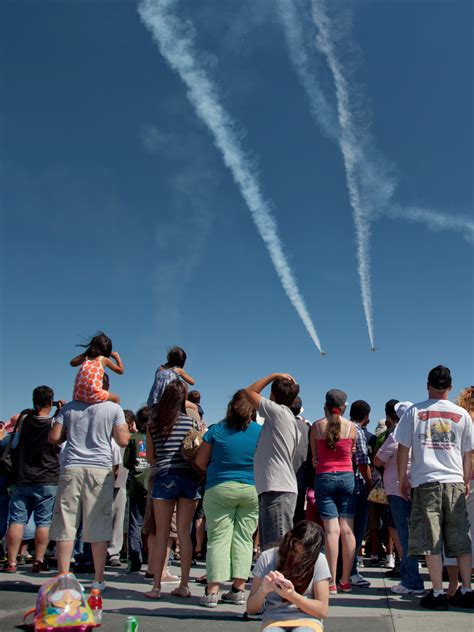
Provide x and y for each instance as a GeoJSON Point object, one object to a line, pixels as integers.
{"type": "Point", "coordinates": [438, 516]}
{"type": "Point", "coordinates": [87, 493]}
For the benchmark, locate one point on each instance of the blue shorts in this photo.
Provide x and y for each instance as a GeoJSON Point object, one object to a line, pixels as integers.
{"type": "Point", "coordinates": [38, 500]}
{"type": "Point", "coordinates": [335, 496]}
{"type": "Point", "coordinates": [172, 486]}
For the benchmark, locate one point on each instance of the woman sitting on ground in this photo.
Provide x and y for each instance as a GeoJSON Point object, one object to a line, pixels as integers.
{"type": "Point", "coordinates": [291, 582]}
{"type": "Point", "coordinates": [230, 501]}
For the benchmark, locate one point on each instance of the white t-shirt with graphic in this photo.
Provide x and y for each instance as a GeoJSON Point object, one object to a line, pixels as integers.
{"type": "Point", "coordinates": [439, 434]}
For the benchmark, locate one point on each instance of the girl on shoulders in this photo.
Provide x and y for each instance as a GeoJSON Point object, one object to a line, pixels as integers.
{"type": "Point", "coordinates": [172, 370]}
{"type": "Point", "coordinates": [291, 582]}
{"type": "Point", "coordinates": [88, 385]}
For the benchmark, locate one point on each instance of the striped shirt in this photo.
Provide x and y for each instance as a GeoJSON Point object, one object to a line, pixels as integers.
{"type": "Point", "coordinates": [168, 452]}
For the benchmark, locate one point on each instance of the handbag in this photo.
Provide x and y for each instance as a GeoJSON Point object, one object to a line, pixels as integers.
{"type": "Point", "coordinates": [378, 494]}
{"type": "Point", "coordinates": [191, 444]}
{"type": "Point", "coordinates": [6, 459]}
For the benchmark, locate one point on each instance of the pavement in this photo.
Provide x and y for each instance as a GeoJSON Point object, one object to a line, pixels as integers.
{"type": "Point", "coordinates": [364, 610]}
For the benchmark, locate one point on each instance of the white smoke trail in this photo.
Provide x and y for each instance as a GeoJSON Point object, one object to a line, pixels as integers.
{"type": "Point", "coordinates": [175, 40]}
{"type": "Point", "coordinates": [321, 110]}
{"type": "Point", "coordinates": [434, 220]}
{"type": "Point", "coordinates": [351, 141]}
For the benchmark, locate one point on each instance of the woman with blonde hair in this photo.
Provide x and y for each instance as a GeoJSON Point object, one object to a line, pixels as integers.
{"type": "Point", "coordinates": [332, 440]}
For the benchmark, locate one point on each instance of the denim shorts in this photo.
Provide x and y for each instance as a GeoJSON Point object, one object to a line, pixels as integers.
{"type": "Point", "coordinates": [335, 496]}
{"type": "Point", "coordinates": [172, 486]}
{"type": "Point", "coordinates": [32, 499]}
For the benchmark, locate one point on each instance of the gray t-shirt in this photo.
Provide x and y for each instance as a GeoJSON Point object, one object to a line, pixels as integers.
{"type": "Point", "coordinates": [274, 458]}
{"type": "Point", "coordinates": [89, 433]}
{"type": "Point", "coordinates": [275, 608]}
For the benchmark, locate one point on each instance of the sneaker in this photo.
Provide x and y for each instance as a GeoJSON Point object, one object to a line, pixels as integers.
{"type": "Point", "coordinates": [390, 563]}
{"type": "Point", "coordinates": [332, 589]}
{"type": "Point", "coordinates": [462, 600]}
{"type": "Point", "coordinates": [345, 588]}
{"type": "Point", "coordinates": [394, 573]}
{"type": "Point", "coordinates": [209, 601]}
{"type": "Point", "coordinates": [401, 590]}
{"type": "Point", "coordinates": [114, 561]}
{"type": "Point", "coordinates": [235, 598]}
{"type": "Point", "coordinates": [167, 578]}
{"type": "Point", "coordinates": [434, 603]}
{"type": "Point", "coordinates": [98, 586]}
{"type": "Point", "coordinates": [358, 580]}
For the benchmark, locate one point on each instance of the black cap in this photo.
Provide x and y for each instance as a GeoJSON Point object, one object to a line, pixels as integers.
{"type": "Point", "coordinates": [440, 378]}
{"type": "Point", "coordinates": [390, 407]}
{"type": "Point", "coordinates": [335, 399]}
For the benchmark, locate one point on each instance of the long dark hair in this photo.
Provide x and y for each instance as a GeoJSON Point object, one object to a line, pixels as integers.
{"type": "Point", "coordinates": [176, 357]}
{"type": "Point", "coordinates": [298, 553]}
{"type": "Point", "coordinates": [239, 412]}
{"type": "Point", "coordinates": [99, 345]}
{"type": "Point", "coordinates": [165, 414]}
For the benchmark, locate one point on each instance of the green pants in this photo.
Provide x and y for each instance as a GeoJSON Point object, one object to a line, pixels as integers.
{"type": "Point", "coordinates": [232, 516]}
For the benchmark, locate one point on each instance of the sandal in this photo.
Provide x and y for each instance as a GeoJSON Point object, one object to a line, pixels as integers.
{"type": "Point", "coordinates": [9, 567]}
{"type": "Point", "coordinates": [155, 593]}
{"type": "Point", "coordinates": [181, 591]}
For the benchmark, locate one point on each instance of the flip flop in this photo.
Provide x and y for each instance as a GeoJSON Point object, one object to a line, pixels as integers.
{"type": "Point", "coordinates": [155, 593]}
{"type": "Point", "coordinates": [180, 591]}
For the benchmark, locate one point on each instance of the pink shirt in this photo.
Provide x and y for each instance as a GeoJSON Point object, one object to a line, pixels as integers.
{"type": "Point", "coordinates": [387, 453]}
{"type": "Point", "coordinates": [338, 460]}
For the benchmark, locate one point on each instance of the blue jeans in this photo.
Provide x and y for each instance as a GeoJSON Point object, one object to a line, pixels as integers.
{"type": "Point", "coordinates": [36, 500]}
{"type": "Point", "coordinates": [135, 524]}
{"type": "Point", "coordinates": [360, 521]}
{"type": "Point", "coordinates": [275, 511]}
{"type": "Point", "coordinates": [335, 494]}
{"type": "Point", "coordinates": [174, 485]}
{"type": "Point", "coordinates": [401, 510]}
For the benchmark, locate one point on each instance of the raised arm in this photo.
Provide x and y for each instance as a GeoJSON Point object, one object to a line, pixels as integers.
{"type": "Point", "coordinates": [252, 392]}
{"type": "Point", "coordinates": [117, 366]}
{"type": "Point", "coordinates": [78, 360]}
{"type": "Point", "coordinates": [186, 377]}
{"type": "Point", "coordinates": [57, 434]}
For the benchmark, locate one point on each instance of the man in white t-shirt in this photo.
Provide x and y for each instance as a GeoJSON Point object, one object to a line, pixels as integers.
{"type": "Point", "coordinates": [439, 434]}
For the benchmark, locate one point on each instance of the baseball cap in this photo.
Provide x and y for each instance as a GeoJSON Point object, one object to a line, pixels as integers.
{"type": "Point", "coordinates": [440, 378]}
{"type": "Point", "coordinates": [401, 408]}
{"type": "Point", "coordinates": [335, 399]}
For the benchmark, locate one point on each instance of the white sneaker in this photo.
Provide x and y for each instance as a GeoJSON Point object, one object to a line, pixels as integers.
{"type": "Point", "coordinates": [401, 590]}
{"type": "Point", "coordinates": [98, 586]}
{"type": "Point", "coordinates": [358, 580]}
{"type": "Point", "coordinates": [390, 563]}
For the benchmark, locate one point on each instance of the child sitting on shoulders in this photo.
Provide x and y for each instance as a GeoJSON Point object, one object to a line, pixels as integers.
{"type": "Point", "coordinates": [172, 370]}
{"type": "Point", "coordinates": [88, 385]}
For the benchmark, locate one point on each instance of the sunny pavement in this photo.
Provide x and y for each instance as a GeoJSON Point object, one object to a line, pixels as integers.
{"type": "Point", "coordinates": [373, 609]}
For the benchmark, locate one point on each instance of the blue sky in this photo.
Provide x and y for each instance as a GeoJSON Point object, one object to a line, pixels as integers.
{"type": "Point", "coordinates": [119, 214]}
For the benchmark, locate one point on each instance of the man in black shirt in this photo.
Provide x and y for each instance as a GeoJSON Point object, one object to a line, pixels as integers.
{"type": "Point", "coordinates": [35, 478]}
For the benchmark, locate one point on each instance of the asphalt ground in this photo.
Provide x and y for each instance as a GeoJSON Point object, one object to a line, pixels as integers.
{"type": "Point", "coordinates": [364, 610]}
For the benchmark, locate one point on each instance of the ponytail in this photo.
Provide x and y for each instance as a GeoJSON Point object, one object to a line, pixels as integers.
{"type": "Point", "coordinates": [333, 427]}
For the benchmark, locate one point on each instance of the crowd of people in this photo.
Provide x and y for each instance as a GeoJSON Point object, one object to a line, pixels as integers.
{"type": "Point", "coordinates": [264, 488]}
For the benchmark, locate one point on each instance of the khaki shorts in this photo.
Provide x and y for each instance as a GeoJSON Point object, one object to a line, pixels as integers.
{"type": "Point", "coordinates": [438, 515]}
{"type": "Point", "coordinates": [452, 561]}
{"type": "Point", "coordinates": [87, 493]}
{"type": "Point", "coordinates": [149, 524]}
